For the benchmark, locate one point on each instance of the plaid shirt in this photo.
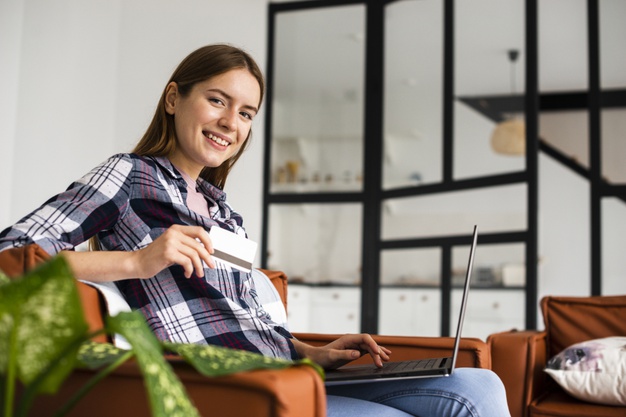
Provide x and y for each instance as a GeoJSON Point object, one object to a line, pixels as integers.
{"type": "Point", "coordinates": [128, 201]}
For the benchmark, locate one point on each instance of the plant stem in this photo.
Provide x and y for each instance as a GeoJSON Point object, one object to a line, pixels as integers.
{"type": "Point", "coordinates": [91, 383]}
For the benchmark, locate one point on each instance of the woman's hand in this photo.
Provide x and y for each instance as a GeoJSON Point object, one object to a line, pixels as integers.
{"type": "Point", "coordinates": [187, 246]}
{"type": "Point", "coordinates": [344, 350]}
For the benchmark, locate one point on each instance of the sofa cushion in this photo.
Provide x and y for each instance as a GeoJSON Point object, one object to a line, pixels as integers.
{"type": "Point", "coordinates": [593, 370]}
{"type": "Point", "coordinates": [570, 320]}
{"type": "Point", "coordinates": [269, 298]}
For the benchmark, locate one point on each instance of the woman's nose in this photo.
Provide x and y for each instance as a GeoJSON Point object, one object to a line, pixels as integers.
{"type": "Point", "coordinates": [229, 120]}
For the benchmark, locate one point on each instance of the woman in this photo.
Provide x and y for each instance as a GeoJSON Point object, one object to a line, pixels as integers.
{"type": "Point", "coordinates": [150, 212]}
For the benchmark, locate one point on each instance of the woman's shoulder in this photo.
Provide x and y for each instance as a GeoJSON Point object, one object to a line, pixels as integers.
{"type": "Point", "coordinates": [133, 162]}
{"type": "Point", "coordinates": [118, 168]}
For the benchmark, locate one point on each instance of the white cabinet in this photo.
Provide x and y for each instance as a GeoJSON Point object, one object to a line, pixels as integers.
{"type": "Point", "coordinates": [488, 311]}
{"type": "Point", "coordinates": [298, 307]}
{"type": "Point", "coordinates": [404, 311]}
{"type": "Point", "coordinates": [410, 312]}
{"type": "Point", "coordinates": [335, 310]}
{"type": "Point", "coordinates": [324, 309]}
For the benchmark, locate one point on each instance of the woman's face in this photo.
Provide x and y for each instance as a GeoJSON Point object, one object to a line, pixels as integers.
{"type": "Point", "coordinates": [213, 121]}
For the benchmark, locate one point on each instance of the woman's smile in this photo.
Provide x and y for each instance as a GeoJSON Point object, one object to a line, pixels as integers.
{"type": "Point", "coordinates": [217, 139]}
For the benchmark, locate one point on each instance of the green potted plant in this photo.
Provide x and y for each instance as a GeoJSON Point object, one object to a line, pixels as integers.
{"type": "Point", "coordinates": [43, 337]}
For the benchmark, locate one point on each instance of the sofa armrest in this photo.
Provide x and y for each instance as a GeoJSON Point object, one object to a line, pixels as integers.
{"type": "Point", "coordinates": [472, 352]}
{"type": "Point", "coordinates": [291, 392]}
{"type": "Point", "coordinates": [519, 357]}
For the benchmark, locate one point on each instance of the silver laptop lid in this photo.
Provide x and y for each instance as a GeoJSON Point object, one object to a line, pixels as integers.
{"type": "Point", "coordinates": [468, 275]}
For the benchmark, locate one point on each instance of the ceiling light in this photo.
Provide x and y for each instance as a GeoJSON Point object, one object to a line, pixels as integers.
{"type": "Point", "coordinates": [509, 136]}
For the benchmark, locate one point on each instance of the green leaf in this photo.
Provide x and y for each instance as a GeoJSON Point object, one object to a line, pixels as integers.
{"type": "Point", "coordinates": [45, 309]}
{"type": "Point", "coordinates": [167, 395]}
{"type": "Point", "coordinates": [4, 279]}
{"type": "Point", "coordinates": [94, 355]}
{"type": "Point", "coordinates": [211, 360]}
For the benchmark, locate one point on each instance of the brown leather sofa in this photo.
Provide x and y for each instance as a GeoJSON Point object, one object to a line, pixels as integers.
{"type": "Point", "coordinates": [519, 357]}
{"type": "Point", "coordinates": [293, 392]}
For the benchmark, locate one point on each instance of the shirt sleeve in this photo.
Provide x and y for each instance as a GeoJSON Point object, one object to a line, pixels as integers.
{"type": "Point", "coordinates": [92, 204]}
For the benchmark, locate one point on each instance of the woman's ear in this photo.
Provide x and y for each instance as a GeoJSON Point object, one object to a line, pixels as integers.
{"type": "Point", "coordinates": [171, 97]}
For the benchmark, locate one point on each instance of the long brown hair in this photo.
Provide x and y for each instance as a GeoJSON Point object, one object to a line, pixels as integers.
{"type": "Point", "coordinates": [199, 66]}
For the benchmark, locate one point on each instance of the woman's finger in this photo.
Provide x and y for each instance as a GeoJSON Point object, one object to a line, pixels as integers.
{"type": "Point", "coordinates": [196, 253]}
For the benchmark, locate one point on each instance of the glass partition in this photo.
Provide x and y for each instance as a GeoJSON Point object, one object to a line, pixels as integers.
{"type": "Point", "coordinates": [612, 51]}
{"type": "Point", "coordinates": [316, 243]}
{"type": "Point", "coordinates": [495, 209]}
{"type": "Point", "coordinates": [613, 244]}
{"type": "Point", "coordinates": [613, 77]}
{"type": "Point", "coordinates": [489, 68]}
{"type": "Point", "coordinates": [495, 266]}
{"type": "Point", "coordinates": [413, 91]}
{"type": "Point", "coordinates": [411, 267]}
{"type": "Point", "coordinates": [564, 68]}
{"type": "Point", "coordinates": [317, 106]}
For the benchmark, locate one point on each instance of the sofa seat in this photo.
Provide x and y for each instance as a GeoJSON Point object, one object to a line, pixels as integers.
{"type": "Point", "coordinates": [558, 403]}
{"type": "Point", "coordinates": [295, 392]}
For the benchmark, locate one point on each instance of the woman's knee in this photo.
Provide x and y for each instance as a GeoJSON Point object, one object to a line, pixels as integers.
{"type": "Point", "coordinates": [484, 389]}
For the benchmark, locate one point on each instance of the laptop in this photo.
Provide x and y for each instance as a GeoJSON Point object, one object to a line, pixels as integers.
{"type": "Point", "coordinates": [421, 368]}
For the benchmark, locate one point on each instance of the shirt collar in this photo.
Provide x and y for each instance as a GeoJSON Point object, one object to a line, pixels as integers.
{"type": "Point", "coordinates": [206, 187]}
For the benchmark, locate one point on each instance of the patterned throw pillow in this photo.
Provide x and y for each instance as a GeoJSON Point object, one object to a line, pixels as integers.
{"type": "Point", "coordinates": [592, 371]}
{"type": "Point", "coordinates": [269, 298]}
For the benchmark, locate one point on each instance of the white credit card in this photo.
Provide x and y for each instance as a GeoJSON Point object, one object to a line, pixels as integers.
{"type": "Point", "coordinates": [234, 250]}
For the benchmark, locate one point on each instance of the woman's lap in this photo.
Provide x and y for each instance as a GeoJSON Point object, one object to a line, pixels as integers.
{"type": "Point", "coordinates": [468, 392]}
{"type": "Point", "coordinates": [349, 407]}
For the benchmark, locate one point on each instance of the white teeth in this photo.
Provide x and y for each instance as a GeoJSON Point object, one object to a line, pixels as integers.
{"type": "Point", "coordinates": [217, 140]}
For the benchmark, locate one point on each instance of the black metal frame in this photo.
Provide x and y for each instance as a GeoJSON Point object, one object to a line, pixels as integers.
{"type": "Point", "coordinates": [372, 196]}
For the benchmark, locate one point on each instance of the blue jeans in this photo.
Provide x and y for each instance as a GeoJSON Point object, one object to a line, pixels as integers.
{"type": "Point", "coordinates": [468, 392]}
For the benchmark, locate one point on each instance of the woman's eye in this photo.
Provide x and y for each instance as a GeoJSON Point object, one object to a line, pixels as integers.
{"type": "Point", "coordinates": [216, 100]}
{"type": "Point", "coordinates": [247, 115]}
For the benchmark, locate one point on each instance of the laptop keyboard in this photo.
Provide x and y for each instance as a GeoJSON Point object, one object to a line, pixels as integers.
{"type": "Point", "coordinates": [411, 365]}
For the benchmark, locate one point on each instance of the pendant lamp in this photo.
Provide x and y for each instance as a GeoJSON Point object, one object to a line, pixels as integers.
{"type": "Point", "coordinates": [509, 136]}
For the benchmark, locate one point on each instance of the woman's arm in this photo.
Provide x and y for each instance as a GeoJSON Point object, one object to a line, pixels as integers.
{"type": "Point", "coordinates": [343, 350]}
{"type": "Point", "coordinates": [187, 246]}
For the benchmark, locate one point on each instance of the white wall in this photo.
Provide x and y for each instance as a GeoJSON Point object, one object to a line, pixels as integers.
{"type": "Point", "coordinates": [11, 16]}
{"type": "Point", "coordinates": [82, 79]}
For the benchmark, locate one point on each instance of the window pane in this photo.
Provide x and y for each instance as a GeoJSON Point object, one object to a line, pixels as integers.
{"type": "Point", "coordinates": [493, 209]}
{"type": "Point", "coordinates": [501, 265]}
{"type": "Point", "coordinates": [613, 244]}
{"type": "Point", "coordinates": [413, 93]}
{"type": "Point", "coordinates": [563, 46]}
{"type": "Point", "coordinates": [612, 77]}
{"type": "Point", "coordinates": [564, 68]}
{"type": "Point", "coordinates": [411, 267]}
{"type": "Point", "coordinates": [489, 87]}
{"type": "Point", "coordinates": [317, 106]}
{"type": "Point", "coordinates": [613, 130]}
{"type": "Point", "coordinates": [568, 132]}
{"type": "Point", "coordinates": [316, 243]}
{"type": "Point", "coordinates": [612, 51]}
